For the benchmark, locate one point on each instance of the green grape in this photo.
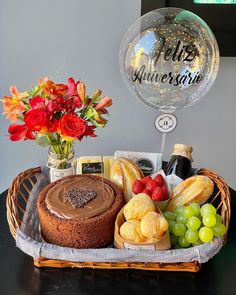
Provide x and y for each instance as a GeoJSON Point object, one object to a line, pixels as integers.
{"type": "Point", "coordinates": [208, 208]}
{"type": "Point", "coordinates": [219, 229]}
{"type": "Point", "coordinates": [205, 234]}
{"type": "Point", "coordinates": [193, 223]}
{"type": "Point", "coordinates": [174, 240]}
{"type": "Point", "coordinates": [179, 210]}
{"type": "Point", "coordinates": [188, 212]}
{"type": "Point", "coordinates": [209, 220]}
{"type": "Point", "coordinates": [181, 219]}
{"type": "Point", "coordinates": [196, 208]}
{"type": "Point", "coordinates": [218, 218]}
{"type": "Point", "coordinates": [179, 229]}
{"type": "Point", "coordinates": [170, 216]}
{"type": "Point", "coordinates": [191, 236]}
{"type": "Point", "coordinates": [183, 242]}
{"type": "Point", "coordinates": [198, 243]}
{"type": "Point", "coordinates": [171, 225]}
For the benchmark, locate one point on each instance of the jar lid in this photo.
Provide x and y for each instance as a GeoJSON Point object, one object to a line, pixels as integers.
{"type": "Point", "coordinates": [183, 150]}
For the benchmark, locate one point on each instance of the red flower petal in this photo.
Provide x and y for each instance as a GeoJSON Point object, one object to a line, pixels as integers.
{"type": "Point", "coordinates": [72, 87]}
{"type": "Point", "coordinates": [90, 131]}
{"type": "Point", "coordinates": [54, 106]}
{"type": "Point", "coordinates": [37, 120]}
{"type": "Point", "coordinates": [77, 102]}
{"type": "Point", "coordinates": [37, 102]}
{"type": "Point", "coordinates": [20, 132]}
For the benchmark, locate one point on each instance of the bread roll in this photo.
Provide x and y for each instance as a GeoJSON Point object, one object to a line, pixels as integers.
{"type": "Point", "coordinates": [195, 189]}
{"type": "Point", "coordinates": [138, 206]}
{"type": "Point", "coordinates": [130, 230]}
{"type": "Point", "coordinates": [154, 226]}
{"type": "Point", "coordinates": [124, 172]}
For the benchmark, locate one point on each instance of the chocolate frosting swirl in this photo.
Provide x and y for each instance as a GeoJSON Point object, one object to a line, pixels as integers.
{"type": "Point", "coordinates": [57, 203]}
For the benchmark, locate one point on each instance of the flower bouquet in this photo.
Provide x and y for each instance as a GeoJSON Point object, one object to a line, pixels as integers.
{"type": "Point", "coordinates": [55, 115]}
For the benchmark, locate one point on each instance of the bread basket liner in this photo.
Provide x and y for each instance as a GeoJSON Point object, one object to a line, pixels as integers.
{"type": "Point", "coordinates": [29, 240]}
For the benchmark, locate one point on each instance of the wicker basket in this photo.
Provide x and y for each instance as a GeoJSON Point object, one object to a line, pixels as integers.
{"type": "Point", "coordinates": [17, 198]}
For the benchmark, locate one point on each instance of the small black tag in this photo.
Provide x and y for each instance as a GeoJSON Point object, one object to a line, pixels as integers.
{"type": "Point", "coordinates": [146, 166]}
{"type": "Point", "coordinates": [92, 168]}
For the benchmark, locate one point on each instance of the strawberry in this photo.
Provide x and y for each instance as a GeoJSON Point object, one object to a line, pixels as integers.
{"type": "Point", "coordinates": [145, 179]}
{"type": "Point", "coordinates": [147, 192]}
{"type": "Point", "coordinates": [137, 187]}
{"type": "Point", "coordinates": [157, 194]}
{"type": "Point", "coordinates": [151, 185]}
{"type": "Point", "coordinates": [160, 180]}
{"type": "Point", "coordinates": [165, 192]}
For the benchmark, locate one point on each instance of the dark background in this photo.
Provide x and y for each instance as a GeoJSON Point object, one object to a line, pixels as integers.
{"type": "Point", "coordinates": [221, 18]}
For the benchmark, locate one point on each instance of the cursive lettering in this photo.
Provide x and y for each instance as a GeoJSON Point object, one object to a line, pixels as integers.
{"type": "Point", "coordinates": [187, 78]}
{"type": "Point", "coordinates": [92, 168]}
{"type": "Point", "coordinates": [181, 52]}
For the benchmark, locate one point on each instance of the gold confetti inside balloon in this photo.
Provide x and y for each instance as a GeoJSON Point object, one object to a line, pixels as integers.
{"type": "Point", "coordinates": [169, 58]}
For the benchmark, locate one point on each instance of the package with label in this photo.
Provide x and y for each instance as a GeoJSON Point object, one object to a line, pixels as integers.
{"type": "Point", "coordinates": [98, 165]}
{"type": "Point", "coordinates": [149, 163]}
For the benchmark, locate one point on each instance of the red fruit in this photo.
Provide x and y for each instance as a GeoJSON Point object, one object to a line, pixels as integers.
{"type": "Point", "coordinates": [137, 187]}
{"type": "Point", "coordinates": [157, 194]}
{"type": "Point", "coordinates": [160, 180]}
{"type": "Point", "coordinates": [145, 179]}
{"type": "Point", "coordinates": [147, 192]}
{"type": "Point", "coordinates": [165, 192]}
{"type": "Point", "coordinates": [151, 185]}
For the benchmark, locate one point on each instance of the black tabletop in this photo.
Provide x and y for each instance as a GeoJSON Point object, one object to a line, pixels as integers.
{"type": "Point", "coordinates": [19, 276]}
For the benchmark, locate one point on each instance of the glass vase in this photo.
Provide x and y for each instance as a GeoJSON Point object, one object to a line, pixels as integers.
{"type": "Point", "coordinates": [61, 164]}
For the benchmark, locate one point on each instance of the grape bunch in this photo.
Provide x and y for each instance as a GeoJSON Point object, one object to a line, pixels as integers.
{"type": "Point", "coordinates": [193, 225]}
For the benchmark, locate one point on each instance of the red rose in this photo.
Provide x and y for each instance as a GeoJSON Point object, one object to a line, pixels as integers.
{"type": "Point", "coordinates": [70, 126]}
{"type": "Point", "coordinates": [20, 132]}
{"type": "Point", "coordinates": [37, 120]}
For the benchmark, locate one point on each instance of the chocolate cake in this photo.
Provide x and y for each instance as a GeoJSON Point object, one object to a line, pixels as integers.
{"type": "Point", "coordinates": [79, 211]}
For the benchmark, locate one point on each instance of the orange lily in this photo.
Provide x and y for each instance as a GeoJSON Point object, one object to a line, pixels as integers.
{"type": "Point", "coordinates": [104, 103]}
{"type": "Point", "coordinates": [14, 106]}
{"type": "Point", "coordinates": [99, 119]}
{"type": "Point", "coordinates": [43, 81]}
{"type": "Point", "coordinates": [81, 89]}
{"type": "Point", "coordinates": [96, 94]}
{"type": "Point", "coordinates": [54, 90]}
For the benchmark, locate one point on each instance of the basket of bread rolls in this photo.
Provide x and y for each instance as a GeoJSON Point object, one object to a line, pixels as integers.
{"type": "Point", "coordinates": [139, 225]}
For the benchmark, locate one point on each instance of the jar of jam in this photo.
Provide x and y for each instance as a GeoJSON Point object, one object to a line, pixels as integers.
{"type": "Point", "coordinates": [180, 162]}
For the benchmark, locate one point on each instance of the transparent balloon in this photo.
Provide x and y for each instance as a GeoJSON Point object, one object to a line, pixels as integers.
{"type": "Point", "coordinates": [169, 58]}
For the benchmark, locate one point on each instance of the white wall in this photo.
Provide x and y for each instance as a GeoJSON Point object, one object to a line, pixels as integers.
{"type": "Point", "coordinates": [59, 38]}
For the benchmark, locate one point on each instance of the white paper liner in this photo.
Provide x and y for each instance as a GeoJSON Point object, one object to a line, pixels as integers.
{"type": "Point", "coordinates": [29, 240]}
